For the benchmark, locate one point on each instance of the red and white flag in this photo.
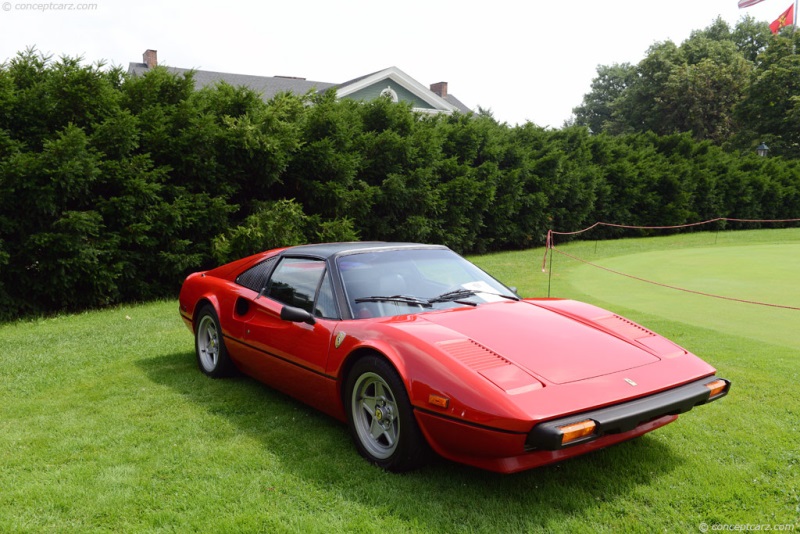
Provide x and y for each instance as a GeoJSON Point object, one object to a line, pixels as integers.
{"type": "Point", "coordinates": [786, 19]}
{"type": "Point", "coordinates": [748, 3]}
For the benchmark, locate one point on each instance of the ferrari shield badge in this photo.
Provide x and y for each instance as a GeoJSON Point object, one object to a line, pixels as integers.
{"type": "Point", "coordinates": [339, 338]}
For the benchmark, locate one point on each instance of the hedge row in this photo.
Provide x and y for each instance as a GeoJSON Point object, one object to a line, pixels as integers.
{"type": "Point", "coordinates": [113, 188]}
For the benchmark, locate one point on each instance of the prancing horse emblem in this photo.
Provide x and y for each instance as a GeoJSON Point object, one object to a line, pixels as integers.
{"type": "Point", "coordinates": [339, 338]}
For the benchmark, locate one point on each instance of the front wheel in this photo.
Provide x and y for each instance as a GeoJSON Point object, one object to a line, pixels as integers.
{"type": "Point", "coordinates": [212, 356]}
{"type": "Point", "coordinates": [380, 417]}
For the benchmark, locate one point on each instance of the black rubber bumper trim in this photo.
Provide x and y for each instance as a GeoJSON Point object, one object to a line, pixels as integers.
{"type": "Point", "coordinates": [626, 416]}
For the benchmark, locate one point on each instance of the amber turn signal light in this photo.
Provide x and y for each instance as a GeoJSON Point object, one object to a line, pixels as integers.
{"type": "Point", "coordinates": [716, 387]}
{"type": "Point", "coordinates": [436, 400]}
{"type": "Point", "coordinates": [576, 431]}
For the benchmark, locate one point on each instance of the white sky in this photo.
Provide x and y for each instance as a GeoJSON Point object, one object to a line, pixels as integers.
{"type": "Point", "coordinates": [525, 60]}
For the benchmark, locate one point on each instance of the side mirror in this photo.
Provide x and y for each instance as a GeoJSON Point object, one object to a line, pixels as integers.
{"type": "Point", "coordinates": [296, 315]}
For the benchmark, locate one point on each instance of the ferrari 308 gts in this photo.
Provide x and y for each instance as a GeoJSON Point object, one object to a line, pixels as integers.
{"type": "Point", "coordinates": [418, 349]}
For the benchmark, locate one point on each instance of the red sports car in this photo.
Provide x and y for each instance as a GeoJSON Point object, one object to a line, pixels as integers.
{"type": "Point", "coordinates": [418, 349]}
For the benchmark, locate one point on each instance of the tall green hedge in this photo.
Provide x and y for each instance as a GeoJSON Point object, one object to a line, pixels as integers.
{"type": "Point", "coordinates": [113, 188]}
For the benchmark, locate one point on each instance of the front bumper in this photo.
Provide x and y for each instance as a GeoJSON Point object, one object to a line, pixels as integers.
{"type": "Point", "coordinates": [622, 418]}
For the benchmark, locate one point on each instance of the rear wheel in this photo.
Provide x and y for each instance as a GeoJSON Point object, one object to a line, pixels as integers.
{"type": "Point", "coordinates": [380, 417]}
{"type": "Point", "coordinates": [212, 356]}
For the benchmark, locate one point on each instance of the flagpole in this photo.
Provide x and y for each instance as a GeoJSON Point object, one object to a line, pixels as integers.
{"type": "Point", "coordinates": [794, 26]}
{"type": "Point", "coordinates": [794, 29]}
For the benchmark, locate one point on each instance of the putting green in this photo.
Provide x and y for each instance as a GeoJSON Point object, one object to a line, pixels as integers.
{"type": "Point", "coordinates": [762, 273]}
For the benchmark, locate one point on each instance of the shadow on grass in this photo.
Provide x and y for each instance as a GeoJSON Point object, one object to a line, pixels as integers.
{"type": "Point", "coordinates": [439, 497]}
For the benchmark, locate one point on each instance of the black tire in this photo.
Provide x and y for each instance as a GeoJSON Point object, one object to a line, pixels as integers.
{"type": "Point", "coordinates": [209, 345]}
{"type": "Point", "coordinates": [380, 417]}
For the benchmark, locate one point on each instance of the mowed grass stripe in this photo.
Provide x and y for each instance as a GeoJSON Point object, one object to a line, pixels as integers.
{"type": "Point", "coordinates": [762, 273]}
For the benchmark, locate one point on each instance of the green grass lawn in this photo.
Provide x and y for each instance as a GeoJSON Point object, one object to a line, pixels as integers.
{"type": "Point", "coordinates": [756, 273]}
{"type": "Point", "coordinates": [106, 425]}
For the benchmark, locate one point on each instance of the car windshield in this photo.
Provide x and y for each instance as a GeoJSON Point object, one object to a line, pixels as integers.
{"type": "Point", "coordinates": [399, 282]}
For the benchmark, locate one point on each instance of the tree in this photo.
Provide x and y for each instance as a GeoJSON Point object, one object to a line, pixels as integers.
{"type": "Point", "coordinates": [693, 87]}
{"type": "Point", "coordinates": [702, 97]}
{"type": "Point", "coordinates": [642, 106]}
{"type": "Point", "coordinates": [50, 179]}
{"type": "Point", "coordinates": [751, 37]}
{"type": "Point", "coordinates": [596, 111]}
{"type": "Point", "coordinates": [769, 110]}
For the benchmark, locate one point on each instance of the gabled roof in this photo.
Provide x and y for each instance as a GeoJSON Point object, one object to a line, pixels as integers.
{"type": "Point", "coordinates": [267, 86]}
{"type": "Point", "coordinates": [397, 76]}
{"type": "Point", "coordinates": [399, 84]}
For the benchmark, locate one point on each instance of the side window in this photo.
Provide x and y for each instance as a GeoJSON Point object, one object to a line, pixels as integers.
{"type": "Point", "coordinates": [294, 282]}
{"type": "Point", "coordinates": [326, 303]}
{"type": "Point", "coordinates": [255, 277]}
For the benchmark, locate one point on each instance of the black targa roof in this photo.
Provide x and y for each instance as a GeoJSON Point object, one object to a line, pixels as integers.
{"type": "Point", "coordinates": [326, 250]}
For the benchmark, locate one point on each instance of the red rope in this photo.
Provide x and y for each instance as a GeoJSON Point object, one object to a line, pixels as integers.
{"type": "Point", "coordinates": [550, 243]}
{"type": "Point", "coordinates": [675, 287]}
{"type": "Point", "coordinates": [675, 226]}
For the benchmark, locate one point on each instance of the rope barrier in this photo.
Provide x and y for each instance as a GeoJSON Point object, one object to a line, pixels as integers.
{"type": "Point", "coordinates": [550, 246]}
{"type": "Point", "coordinates": [550, 242]}
{"type": "Point", "coordinates": [687, 225]}
{"type": "Point", "coordinates": [676, 287]}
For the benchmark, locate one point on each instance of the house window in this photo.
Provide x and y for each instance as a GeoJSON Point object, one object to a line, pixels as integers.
{"type": "Point", "coordinates": [390, 93]}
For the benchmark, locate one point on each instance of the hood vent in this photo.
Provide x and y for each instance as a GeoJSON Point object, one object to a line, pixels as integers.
{"type": "Point", "coordinates": [473, 355]}
{"type": "Point", "coordinates": [623, 327]}
{"type": "Point", "coordinates": [490, 365]}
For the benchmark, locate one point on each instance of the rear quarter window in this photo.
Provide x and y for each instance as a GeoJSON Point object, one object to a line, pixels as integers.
{"type": "Point", "coordinates": [255, 277]}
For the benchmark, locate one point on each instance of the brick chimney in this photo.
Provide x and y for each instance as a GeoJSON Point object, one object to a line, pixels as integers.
{"type": "Point", "coordinates": [150, 58]}
{"type": "Point", "coordinates": [440, 89]}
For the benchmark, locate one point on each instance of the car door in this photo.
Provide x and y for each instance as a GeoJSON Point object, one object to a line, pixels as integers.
{"type": "Point", "coordinates": [301, 283]}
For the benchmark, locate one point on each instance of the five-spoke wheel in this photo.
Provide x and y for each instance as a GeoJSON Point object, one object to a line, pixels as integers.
{"type": "Point", "coordinates": [212, 356]}
{"type": "Point", "coordinates": [381, 418]}
{"type": "Point", "coordinates": [375, 415]}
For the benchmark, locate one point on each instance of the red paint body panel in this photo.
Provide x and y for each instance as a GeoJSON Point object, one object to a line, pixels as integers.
{"type": "Point", "coordinates": [315, 390]}
{"type": "Point", "coordinates": [497, 451]}
{"type": "Point", "coordinates": [568, 352]}
{"type": "Point", "coordinates": [503, 367]}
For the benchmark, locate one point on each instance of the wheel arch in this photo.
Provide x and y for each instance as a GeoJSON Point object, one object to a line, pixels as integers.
{"type": "Point", "coordinates": [409, 447]}
{"type": "Point", "coordinates": [206, 300]}
{"type": "Point", "coordinates": [356, 355]}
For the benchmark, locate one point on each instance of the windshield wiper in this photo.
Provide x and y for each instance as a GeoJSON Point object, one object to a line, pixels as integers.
{"type": "Point", "coordinates": [456, 295]}
{"type": "Point", "coordinates": [405, 299]}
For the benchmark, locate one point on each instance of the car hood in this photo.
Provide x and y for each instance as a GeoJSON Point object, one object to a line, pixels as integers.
{"type": "Point", "coordinates": [560, 341]}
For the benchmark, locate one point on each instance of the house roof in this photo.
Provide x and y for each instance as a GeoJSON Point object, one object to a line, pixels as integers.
{"type": "Point", "coordinates": [267, 86]}
{"type": "Point", "coordinates": [457, 103]}
{"type": "Point", "coordinates": [434, 103]}
{"type": "Point", "coordinates": [422, 98]}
